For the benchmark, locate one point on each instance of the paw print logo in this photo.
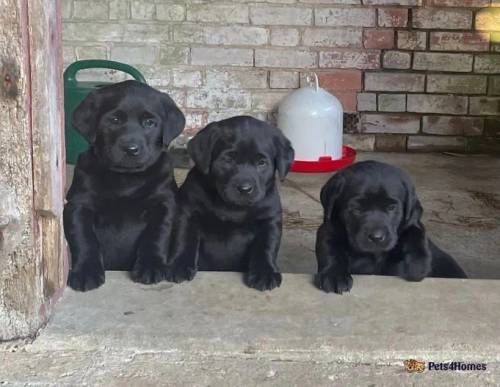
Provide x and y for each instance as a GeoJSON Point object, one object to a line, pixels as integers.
{"type": "Point", "coordinates": [413, 365]}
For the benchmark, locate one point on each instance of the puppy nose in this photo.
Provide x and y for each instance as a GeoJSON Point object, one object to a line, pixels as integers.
{"type": "Point", "coordinates": [245, 188]}
{"type": "Point", "coordinates": [131, 149]}
{"type": "Point", "coordinates": [377, 236]}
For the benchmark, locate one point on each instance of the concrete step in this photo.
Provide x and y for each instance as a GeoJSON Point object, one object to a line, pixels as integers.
{"type": "Point", "coordinates": [215, 329]}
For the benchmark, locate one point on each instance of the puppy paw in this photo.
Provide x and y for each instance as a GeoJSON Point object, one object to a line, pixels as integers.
{"type": "Point", "coordinates": [147, 272]}
{"type": "Point", "coordinates": [84, 280]}
{"type": "Point", "coordinates": [179, 273]}
{"type": "Point", "coordinates": [263, 280]}
{"type": "Point", "coordinates": [333, 282]}
{"type": "Point", "coordinates": [415, 269]}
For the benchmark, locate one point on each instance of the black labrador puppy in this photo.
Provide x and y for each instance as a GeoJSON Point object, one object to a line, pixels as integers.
{"type": "Point", "coordinates": [121, 202]}
{"type": "Point", "coordinates": [372, 225]}
{"type": "Point", "coordinates": [229, 208]}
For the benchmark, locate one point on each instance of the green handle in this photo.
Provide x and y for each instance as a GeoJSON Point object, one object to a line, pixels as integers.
{"type": "Point", "coordinates": [70, 72]}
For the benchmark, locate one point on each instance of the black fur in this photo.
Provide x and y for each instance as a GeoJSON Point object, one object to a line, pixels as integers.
{"type": "Point", "coordinates": [122, 199]}
{"type": "Point", "coordinates": [229, 208]}
{"type": "Point", "coordinates": [372, 225]}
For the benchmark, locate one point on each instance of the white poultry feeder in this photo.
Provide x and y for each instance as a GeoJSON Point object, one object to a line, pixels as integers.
{"type": "Point", "coordinates": [312, 119]}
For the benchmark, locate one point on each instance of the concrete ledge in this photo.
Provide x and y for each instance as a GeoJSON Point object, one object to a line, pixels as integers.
{"type": "Point", "coordinates": [383, 319]}
{"type": "Point", "coordinates": [216, 330]}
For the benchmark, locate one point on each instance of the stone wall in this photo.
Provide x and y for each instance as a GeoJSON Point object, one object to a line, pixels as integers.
{"type": "Point", "coordinates": [415, 74]}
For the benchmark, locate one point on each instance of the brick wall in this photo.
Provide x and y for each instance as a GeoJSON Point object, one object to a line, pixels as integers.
{"type": "Point", "coordinates": [415, 74]}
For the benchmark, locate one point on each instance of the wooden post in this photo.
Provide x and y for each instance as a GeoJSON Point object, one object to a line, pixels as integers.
{"type": "Point", "coordinates": [32, 250]}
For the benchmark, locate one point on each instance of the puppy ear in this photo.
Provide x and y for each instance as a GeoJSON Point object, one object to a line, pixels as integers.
{"type": "Point", "coordinates": [85, 116]}
{"type": "Point", "coordinates": [330, 192]}
{"type": "Point", "coordinates": [174, 122]}
{"type": "Point", "coordinates": [413, 208]}
{"type": "Point", "coordinates": [200, 147]}
{"type": "Point", "coordinates": [284, 154]}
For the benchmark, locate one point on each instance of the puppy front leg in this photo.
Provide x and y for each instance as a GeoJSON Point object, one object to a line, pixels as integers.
{"type": "Point", "coordinates": [263, 272]}
{"type": "Point", "coordinates": [333, 262]}
{"type": "Point", "coordinates": [152, 254]}
{"type": "Point", "coordinates": [416, 257]}
{"type": "Point", "coordinates": [183, 264]}
{"type": "Point", "coordinates": [87, 268]}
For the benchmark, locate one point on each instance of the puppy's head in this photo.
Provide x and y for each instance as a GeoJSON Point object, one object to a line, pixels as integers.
{"type": "Point", "coordinates": [374, 202]}
{"type": "Point", "coordinates": [241, 155]}
{"type": "Point", "coordinates": [128, 124]}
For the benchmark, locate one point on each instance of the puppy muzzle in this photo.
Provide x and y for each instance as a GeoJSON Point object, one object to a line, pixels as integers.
{"type": "Point", "coordinates": [375, 240]}
{"type": "Point", "coordinates": [241, 192]}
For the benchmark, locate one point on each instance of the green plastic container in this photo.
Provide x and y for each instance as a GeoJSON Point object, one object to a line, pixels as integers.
{"type": "Point", "coordinates": [75, 91]}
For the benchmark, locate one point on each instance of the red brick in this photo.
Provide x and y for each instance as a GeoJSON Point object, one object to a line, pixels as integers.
{"type": "Point", "coordinates": [436, 61]}
{"type": "Point", "coordinates": [360, 142]}
{"type": "Point", "coordinates": [487, 64]}
{"type": "Point", "coordinates": [495, 41]}
{"type": "Point", "coordinates": [492, 127]}
{"type": "Point", "coordinates": [488, 19]}
{"type": "Point", "coordinates": [456, 84]}
{"type": "Point", "coordinates": [390, 143]}
{"type": "Point", "coordinates": [392, 102]}
{"type": "Point", "coordinates": [373, 38]}
{"type": "Point", "coordinates": [342, 17]}
{"type": "Point", "coordinates": [475, 126]}
{"type": "Point", "coordinates": [390, 123]}
{"type": "Point", "coordinates": [460, 41]}
{"type": "Point", "coordinates": [349, 59]}
{"type": "Point", "coordinates": [392, 17]}
{"type": "Point", "coordinates": [394, 82]}
{"type": "Point", "coordinates": [443, 19]}
{"type": "Point", "coordinates": [392, 2]}
{"type": "Point", "coordinates": [452, 125]}
{"type": "Point", "coordinates": [494, 87]}
{"type": "Point", "coordinates": [436, 144]}
{"type": "Point", "coordinates": [489, 106]}
{"type": "Point", "coordinates": [458, 3]}
{"type": "Point", "coordinates": [347, 99]}
{"type": "Point", "coordinates": [412, 40]}
{"type": "Point", "coordinates": [367, 102]}
{"type": "Point", "coordinates": [341, 80]}
{"type": "Point", "coordinates": [332, 37]}
{"type": "Point", "coordinates": [397, 60]}
{"type": "Point", "coordinates": [195, 120]}
{"type": "Point", "coordinates": [444, 104]}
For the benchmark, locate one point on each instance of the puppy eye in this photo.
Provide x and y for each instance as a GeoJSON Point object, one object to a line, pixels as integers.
{"type": "Point", "coordinates": [229, 157]}
{"type": "Point", "coordinates": [114, 120]}
{"type": "Point", "coordinates": [148, 123]}
{"type": "Point", "coordinates": [262, 163]}
{"type": "Point", "coordinates": [391, 207]}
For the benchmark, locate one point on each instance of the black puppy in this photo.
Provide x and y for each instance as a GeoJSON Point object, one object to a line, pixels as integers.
{"type": "Point", "coordinates": [372, 225]}
{"type": "Point", "coordinates": [122, 199]}
{"type": "Point", "coordinates": [229, 207]}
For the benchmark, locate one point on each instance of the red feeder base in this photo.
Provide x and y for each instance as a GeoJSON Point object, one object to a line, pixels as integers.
{"type": "Point", "coordinates": [325, 163]}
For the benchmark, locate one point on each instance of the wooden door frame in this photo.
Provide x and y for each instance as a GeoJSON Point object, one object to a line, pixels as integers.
{"type": "Point", "coordinates": [33, 258]}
